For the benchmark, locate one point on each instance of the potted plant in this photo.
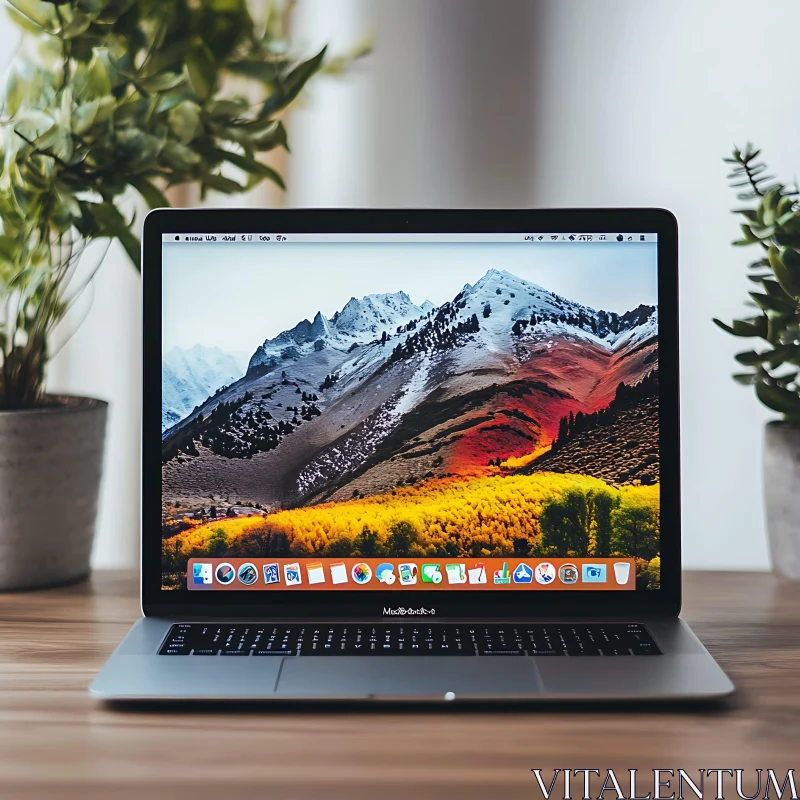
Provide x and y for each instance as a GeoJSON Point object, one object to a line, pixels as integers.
{"type": "Point", "coordinates": [118, 98]}
{"type": "Point", "coordinates": [773, 226]}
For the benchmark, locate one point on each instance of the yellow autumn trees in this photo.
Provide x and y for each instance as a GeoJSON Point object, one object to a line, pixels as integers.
{"type": "Point", "coordinates": [485, 516]}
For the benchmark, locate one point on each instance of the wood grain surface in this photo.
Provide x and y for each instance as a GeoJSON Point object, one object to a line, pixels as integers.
{"type": "Point", "coordinates": [56, 742]}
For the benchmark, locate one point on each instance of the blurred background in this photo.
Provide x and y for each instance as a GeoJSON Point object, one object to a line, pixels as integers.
{"type": "Point", "coordinates": [524, 103]}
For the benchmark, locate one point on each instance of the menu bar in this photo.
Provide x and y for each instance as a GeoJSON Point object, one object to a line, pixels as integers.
{"type": "Point", "coordinates": [537, 237]}
{"type": "Point", "coordinates": [399, 574]}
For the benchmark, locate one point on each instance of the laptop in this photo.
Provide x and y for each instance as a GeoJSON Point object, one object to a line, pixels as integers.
{"type": "Point", "coordinates": [410, 456]}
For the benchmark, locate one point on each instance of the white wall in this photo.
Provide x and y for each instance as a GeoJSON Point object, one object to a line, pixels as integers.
{"type": "Point", "coordinates": [568, 103]}
{"type": "Point", "coordinates": [638, 102]}
{"type": "Point", "coordinates": [517, 103]}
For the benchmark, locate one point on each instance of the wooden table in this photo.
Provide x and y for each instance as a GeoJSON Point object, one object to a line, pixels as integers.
{"type": "Point", "coordinates": [56, 742]}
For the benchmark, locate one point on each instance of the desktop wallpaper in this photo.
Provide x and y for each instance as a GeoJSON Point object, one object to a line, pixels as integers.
{"type": "Point", "coordinates": [410, 400]}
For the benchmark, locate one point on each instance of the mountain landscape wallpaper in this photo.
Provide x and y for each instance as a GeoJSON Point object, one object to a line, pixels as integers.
{"type": "Point", "coordinates": [507, 419]}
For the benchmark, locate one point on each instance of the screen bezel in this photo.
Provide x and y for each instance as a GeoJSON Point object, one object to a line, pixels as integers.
{"type": "Point", "coordinates": [350, 604]}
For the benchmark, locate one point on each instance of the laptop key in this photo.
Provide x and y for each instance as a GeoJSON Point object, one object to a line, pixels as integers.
{"type": "Point", "coordinates": [274, 653]}
{"type": "Point", "coordinates": [502, 652]}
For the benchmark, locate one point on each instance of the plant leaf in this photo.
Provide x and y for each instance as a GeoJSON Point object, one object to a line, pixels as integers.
{"type": "Point", "coordinates": [105, 221]}
{"type": "Point", "coordinates": [202, 71]}
{"type": "Point", "coordinates": [184, 121]}
{"type": "Point", "coordinates": [751, 358]}
{"type": "Point", "coordinates": [220, 183]}
{"type": "Point", "coordinates": [92, 81]}
{"type": "Point", "coordinates": [292, 85]}
{"type": "Point", "coordinates": [779, 399]}
{"type": "Point", "coordinates": [727, 328]}
{"type": "Point", "coordinates": [253, 167]}
{"type": "Point", "coordinates": [789, 278]}
{"type": "Point", "coordinates": [755, 327]}
{"type": "Point", "coordinates": [83, 117]}
{"type": "Point", "coordinates": [783, 353]}
{"type": "Point", "coordinates": [15, 92]}
{"type": "Point", "coordinates": [152, 195]}
{"type": "Point", "coordinates": [163, 82]}
{"type": "Point", "coordinates": [36, 11]}
{"type": "Point", "coordinates": [9, 247]}
{"type": "Point", "coordinates": [768, 302]}
{"type": "Point", "coordinates": [179, 156]}
{"type": "Point", "coordinates": [23, 22]}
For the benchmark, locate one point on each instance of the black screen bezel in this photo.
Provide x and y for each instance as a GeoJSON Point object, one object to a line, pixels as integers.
{"type": "Point", "coordinates": [346, 604]}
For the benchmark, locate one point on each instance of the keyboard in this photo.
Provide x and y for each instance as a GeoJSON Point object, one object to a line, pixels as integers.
{"type": "Point", "coordinates": [402, 639]}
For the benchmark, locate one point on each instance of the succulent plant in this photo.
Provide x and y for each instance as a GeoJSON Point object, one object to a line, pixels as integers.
{"type": "Point", "coordinates": [773, 225]}
{"type": "Point", "coordinates": [109, 96]}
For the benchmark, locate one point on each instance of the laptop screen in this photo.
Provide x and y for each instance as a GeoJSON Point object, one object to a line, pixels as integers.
{"type": "Point", "coordinates": [410, 412]}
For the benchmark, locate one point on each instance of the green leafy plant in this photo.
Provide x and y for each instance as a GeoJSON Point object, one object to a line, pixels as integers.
{"type": "Point", "coordinates": [773, 225]}
{"type": "Point", "coordinates": [112, 97]}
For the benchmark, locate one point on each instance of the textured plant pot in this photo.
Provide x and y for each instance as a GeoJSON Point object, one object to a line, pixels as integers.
{"type": "Point", "coordinates": [51, 460]}
{"type": "Point", "coordinates": [782, 497]}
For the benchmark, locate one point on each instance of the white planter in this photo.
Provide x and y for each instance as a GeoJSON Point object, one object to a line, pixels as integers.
{"type": "Point", "coordinates": [782, 497]}
{"type": "Point", "coordinates": [51, 461]}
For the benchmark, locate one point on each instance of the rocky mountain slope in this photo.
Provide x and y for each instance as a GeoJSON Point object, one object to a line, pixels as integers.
{"type": "Point", "coordinates": [618, 444]}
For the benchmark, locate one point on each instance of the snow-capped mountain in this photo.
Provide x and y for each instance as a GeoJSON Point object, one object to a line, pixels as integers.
{"type": "Point", "coordinates": [358, 323]}
{"type": "Point", "coordinates": [189, 377]}
{"type": "Point", "coordinates": [511, 303]}
{"type": "Point", "coordinates": [386, 389]}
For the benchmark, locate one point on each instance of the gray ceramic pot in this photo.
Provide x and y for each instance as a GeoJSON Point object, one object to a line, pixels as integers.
{"type": "Point", "coordinates": [782, 497]}
{"type": "Point", "coordinates": [51, 460]}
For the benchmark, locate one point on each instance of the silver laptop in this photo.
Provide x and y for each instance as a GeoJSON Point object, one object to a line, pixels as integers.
{"type": "Point", "coordinates": [410, 455]}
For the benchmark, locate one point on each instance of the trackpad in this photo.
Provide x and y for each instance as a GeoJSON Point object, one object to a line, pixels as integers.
{"type": "Point", "coordinates": [409, 677]}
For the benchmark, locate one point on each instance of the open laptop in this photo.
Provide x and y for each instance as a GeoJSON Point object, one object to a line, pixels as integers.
{"type": "Point", "coordinates": [374, 439]}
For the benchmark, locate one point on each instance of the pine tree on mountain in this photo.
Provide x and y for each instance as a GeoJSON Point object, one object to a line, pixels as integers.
{"type": "Point", "coordinates": [563, 431]}
{"type": "Point", "coordinates": [383, 339]}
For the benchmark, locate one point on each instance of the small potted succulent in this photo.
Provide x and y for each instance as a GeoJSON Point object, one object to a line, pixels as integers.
{"type": "Point", "coordinates": [107, 100]}
{"type": "Point", "coordinates": [772, 365]}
